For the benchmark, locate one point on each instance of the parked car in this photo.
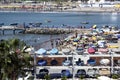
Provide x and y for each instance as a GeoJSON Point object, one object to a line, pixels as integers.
{"type": "Point", "coordinates": [42, 73]}
{"type": "Point", "coordinates": [92, 72]}
{"type": "Point", "coordinates": [104, 71]}
{"type": "Point", "coordinates": [81, 72]}
{"type": "Point", "coordinates": [66, 73]}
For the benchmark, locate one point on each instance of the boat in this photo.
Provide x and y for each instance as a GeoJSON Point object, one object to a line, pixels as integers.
{"type": "Point", "coordinates": [84, 22]}
{"type": "Point", "coordinates": [114, 13]}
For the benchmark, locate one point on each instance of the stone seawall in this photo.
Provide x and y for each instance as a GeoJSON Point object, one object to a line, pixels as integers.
{"type": "Point", "coordinates": [48, 31]}
{"type": "Point", "coordinates": [54, 30]}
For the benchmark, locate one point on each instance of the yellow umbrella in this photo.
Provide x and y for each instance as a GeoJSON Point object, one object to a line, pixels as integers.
{"type": "Point", "coordinates": [94, 38]}
{"type": "Point", "coordinates": [75, 43]}
{"type": "Point", "coordinates": [94, 26]}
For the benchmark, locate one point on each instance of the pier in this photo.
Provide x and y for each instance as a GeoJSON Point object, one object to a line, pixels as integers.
{"type": "Point", "coordinates": [14, 28]}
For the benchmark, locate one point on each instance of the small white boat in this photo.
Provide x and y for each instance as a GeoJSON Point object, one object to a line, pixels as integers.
{"type": "Point", "coordinates": [114, 13]}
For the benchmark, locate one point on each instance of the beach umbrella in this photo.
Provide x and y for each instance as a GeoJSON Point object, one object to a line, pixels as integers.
{"type": "Point", "coordinates": [91, 50]}
{"type": "Point", "coordinates": [54, 51]}
{"type": "Point", "coordinates": [41, 51]}
{"type": "Point", "coordinates": [94, 26]}
{"type": "Point", "coordinates": [76, 40]}
{"type": "Point", "coordinates": [66, 50]}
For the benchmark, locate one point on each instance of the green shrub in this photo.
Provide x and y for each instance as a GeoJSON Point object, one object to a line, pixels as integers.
{"type": "Point", "coordinates": [47, 77]}
{"type": "Point", "coordinates": [64, 78]}
{"type": "Point", "coordinates": [115, 76]}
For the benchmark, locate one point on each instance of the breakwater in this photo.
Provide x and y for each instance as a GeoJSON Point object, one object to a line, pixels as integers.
{"type": "Point", "coordinates": [48, 31]}
{"type": "Point", "coordinates": [55, 30]}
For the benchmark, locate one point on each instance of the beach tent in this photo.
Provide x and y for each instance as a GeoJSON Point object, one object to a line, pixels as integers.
{"type": "Point", "coordinates": [41, 51]}
{"type": "Point", "coordinates": [104, 61]}
{"type": "Point", "coordinates": [54, 51]}
{"type": "Point", "coordinates": [91, 50]}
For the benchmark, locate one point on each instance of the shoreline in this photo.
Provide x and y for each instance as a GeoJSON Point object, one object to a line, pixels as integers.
{"type": "Point", "coordinates": [77, 10]}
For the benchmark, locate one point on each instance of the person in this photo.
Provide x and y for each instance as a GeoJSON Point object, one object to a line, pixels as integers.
{"type": "Point", "coordinates": [51, 43]}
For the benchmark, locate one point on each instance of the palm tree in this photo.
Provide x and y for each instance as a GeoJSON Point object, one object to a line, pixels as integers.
{"type": "Point", "coordinates": [13, 59]}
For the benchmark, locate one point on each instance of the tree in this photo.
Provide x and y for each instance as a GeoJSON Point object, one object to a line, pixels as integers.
{"type": "Point", "coordinates": [13, 59]}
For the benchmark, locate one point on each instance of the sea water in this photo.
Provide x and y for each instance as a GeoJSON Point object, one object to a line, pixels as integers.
{"type": "Point", "coordinates": [56, 19]}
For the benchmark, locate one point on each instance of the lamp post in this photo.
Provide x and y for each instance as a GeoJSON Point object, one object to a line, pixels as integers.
{"type": "Point", "coordinates": [34, 67]}
{"type": "Point", "coordinates": [73, 66]}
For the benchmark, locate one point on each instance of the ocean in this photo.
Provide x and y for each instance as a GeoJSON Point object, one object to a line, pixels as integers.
{"type": "Point", "coordinates": [57, 19]}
